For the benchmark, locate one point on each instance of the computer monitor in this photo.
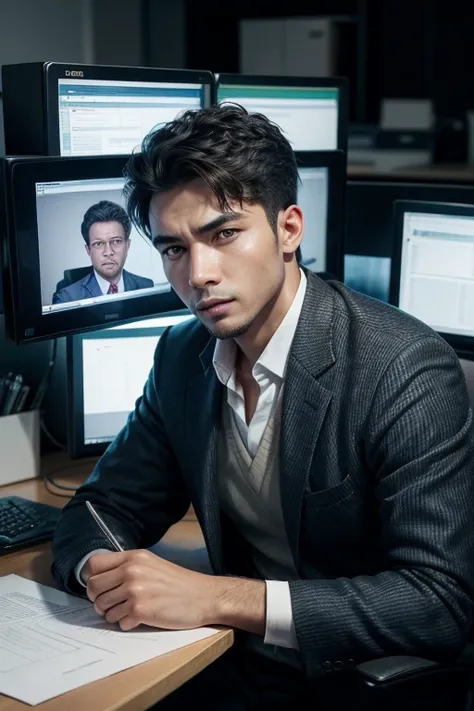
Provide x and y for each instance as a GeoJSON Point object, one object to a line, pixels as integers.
{"type": "Point", "coordinates": [58, 260]}
{"type": "Point", "coordinates": [433, 268]}
{"type": "Point", "coordinates": [78, 109]}
{"type": "Point", "coordinates": [321, 196]}
{"type": "Point", "coordinates": [107, 370]}
{"type": "Point", "coordinates": [313, 113]}
{"type": "Point", "coordinates": [369, 227]}
{"type": "Point", "coordinates": [2, 240]}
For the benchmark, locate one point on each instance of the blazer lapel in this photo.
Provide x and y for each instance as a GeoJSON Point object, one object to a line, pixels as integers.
{"type": "Point", "coordinates": [90, 286]}
{"type": "Point", "coordinates": [305, 401]}
{"type": "Point", "coordinates": [203, 409]}
{"type": "Point", "coordinates": [128, 281]}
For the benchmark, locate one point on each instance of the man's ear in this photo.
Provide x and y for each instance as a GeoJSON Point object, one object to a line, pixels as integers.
{"type": "Point", "coordinates": [88, 249]}
{"type": "Point", "coordinates": [290, 229]}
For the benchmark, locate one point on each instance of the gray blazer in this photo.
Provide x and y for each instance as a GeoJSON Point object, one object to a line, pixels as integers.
{"type": "Point", "coordinates": [377, 478]}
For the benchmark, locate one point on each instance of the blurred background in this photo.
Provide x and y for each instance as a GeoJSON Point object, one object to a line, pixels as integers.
{"type": "Point", "coordinates": [404, 49]}
{"type": "Point", "coordinates": [409, 63]}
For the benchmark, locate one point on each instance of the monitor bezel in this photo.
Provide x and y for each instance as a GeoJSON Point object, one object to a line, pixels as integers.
{"type": "Point", "coordinates": [379, 186]}
{"type": "Point", "coordinates": [339, 83]}
{"type": "Point", "coordinates": [335, 162]}
{"type": "Point", "coordinates": [54, 71]}
{"type": "Point", "coordinates": [463, 345]}
{"type": "Point", "coordinates": [24, 320]}
{"type": "Point", "coordinates": [76, 446]}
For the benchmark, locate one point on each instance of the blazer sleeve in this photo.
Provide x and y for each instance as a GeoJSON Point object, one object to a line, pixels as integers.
{"type": "Point", "coordinates": [420, 455]}
{"type": "Point", "coordinates": [60, 297]}
{"type": "Point", "coordinates": [137, 486]}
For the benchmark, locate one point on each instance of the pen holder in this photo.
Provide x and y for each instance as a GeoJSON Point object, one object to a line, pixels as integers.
{"type": "Point", "coordinates": [19, 446]}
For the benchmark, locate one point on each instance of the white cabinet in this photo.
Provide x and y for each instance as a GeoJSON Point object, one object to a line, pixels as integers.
{"type": "Point", "coordinates": [262, 46]}
{"type": "Point", "coordinates": [302, 47]}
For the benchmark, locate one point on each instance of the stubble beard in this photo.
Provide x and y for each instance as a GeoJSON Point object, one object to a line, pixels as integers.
{"type": "Point", "coordinates": [231, 332]}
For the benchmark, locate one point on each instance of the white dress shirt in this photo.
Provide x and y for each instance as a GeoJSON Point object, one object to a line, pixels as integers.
{"type": "Point", "coordinates": [269, 372]}
{"type": "Point", "coordinates": [104, 284]}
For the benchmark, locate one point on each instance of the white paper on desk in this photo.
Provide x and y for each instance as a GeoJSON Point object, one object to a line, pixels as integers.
{"type": "Point", "coordinates": [58, 642]}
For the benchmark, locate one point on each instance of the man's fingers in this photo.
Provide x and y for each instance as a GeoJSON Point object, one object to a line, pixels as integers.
{"type": "Point", "coordinates": [101, 562]}
{"type": "Point", "coordinates": [110, 598]}
{"type": "Point", "coordinates": [103, 582]}
{"type": "Point", "coordinates": [128, 623]}
{"type": "Point", "coordinates": [117, 613]}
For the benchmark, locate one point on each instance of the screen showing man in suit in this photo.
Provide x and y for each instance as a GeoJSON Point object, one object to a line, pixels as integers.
{"type": "Point", "coordinates": [106, 231]}
{"type": "Point", "coordinates": [324, 438]}
{"type": "Point", "coordinates": [89, 250]}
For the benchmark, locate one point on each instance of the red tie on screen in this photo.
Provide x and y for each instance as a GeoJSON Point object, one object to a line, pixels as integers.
{"type": "Point", "coordinates": [113, 289]}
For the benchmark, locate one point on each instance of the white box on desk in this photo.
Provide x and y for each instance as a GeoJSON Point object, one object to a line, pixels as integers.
{"type": "Point", "coordinates": [19, 446]}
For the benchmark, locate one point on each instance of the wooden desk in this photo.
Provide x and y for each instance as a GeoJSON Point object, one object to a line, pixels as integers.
{"type": "Point", "coordinates": [134, 689]}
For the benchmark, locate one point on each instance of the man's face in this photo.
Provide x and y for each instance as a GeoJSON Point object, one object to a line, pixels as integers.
{"type": "Point", "coordinates": [228, 267]}
{"type": "Point", "coordinates": [108, 249]}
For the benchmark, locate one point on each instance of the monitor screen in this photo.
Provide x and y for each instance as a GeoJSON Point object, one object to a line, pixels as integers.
{"type": "Point", "coordinates": [321, 197]}
{"type": "Point", "coordinates": [369, 242]}
{"type": "Point", "coordinates": [434, 269]}
{"type": "Point", "coordinates": [107, 371]}
{"type": "Point", "coordinates": [57, 109]}
{"type": "Point", "coordinates": [73, 259]}
{"type": "Point", "coordinates": [3, 228]}
{"type": "Point", "coordinates": [368, 275]}
{"type": "Point", "coordinates": [74, 272]}
{"type": "Point", "coordinates": [100, 117]}
{"type": "Point", "coordinates": [311, 113]}
{"type": "Point", "coordinates": [313, 200]}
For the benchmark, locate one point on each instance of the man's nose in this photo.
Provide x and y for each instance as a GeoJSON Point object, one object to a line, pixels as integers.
{"type": "Point", "coordinates": [108, 249]}
{"type": "Point", "coordinates": [204, 267]}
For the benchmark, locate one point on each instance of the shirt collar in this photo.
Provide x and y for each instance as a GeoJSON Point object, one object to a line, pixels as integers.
{"type": "Point", "coordinates": [104, 284]}
{"type": "Point", "coordinates": [275, 355]}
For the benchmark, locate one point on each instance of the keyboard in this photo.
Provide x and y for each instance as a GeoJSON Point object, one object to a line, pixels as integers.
{"type": "Point", "coordinates": [25, 523]}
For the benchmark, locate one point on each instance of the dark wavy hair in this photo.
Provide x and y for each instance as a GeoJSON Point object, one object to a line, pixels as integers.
{"type": "Point", "coordinates": [105, 211]}
{"type": "Point", "coordinates": [240, 156]}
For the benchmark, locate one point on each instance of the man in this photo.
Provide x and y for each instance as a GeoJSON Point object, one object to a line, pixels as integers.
{"type": "Point", "coordinates": [324, 438]}
{"type": "Point", "coordinates": [106, 231]}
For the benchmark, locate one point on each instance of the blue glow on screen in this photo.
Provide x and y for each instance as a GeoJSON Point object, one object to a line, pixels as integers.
{"type": "Point", "coordinates": [369, 275]}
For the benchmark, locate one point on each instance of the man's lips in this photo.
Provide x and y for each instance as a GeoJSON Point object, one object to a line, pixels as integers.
{"type": "Point", "coordinates": [214, 307]}
{"type": "Point", "coordinates": [206, 304]}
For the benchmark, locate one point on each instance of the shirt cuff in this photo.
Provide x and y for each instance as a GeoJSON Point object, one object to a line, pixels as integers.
{"type": "Point", "coordinates": [279, 627]}
{"type": "Point", "coordinates": [78, 568]}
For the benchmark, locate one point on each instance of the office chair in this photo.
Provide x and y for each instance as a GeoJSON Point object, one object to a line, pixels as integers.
{"type": "Point", "coordinates": [468, 368]}
{"type": "Point", "coordinates": [416, 684]}
{"type": "Point", "coordinates": [71, 276]}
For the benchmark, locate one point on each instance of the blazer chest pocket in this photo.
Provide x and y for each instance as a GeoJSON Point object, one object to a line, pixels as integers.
{"type": "Point", "coordinates": [328, 498]}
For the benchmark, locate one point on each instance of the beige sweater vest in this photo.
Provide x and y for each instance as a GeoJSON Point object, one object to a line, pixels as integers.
{"type": "Point", "coordinates": [249, 493]}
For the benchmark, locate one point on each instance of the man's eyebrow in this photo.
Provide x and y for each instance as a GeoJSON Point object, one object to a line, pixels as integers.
{"type": "Point", "coordinates": [164, 240]}
{"type": "Point", "coordinates": [102, 239]}
{"type": "Point", "coordinates": [167, 240]}
{"type": "Point", "coordinates": [218, 222]}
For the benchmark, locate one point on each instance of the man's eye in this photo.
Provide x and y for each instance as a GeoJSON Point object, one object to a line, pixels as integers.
{"type": "Point", "coordinates": [172, 252]}
{"type": "Point", "coordinates": [228, 233]}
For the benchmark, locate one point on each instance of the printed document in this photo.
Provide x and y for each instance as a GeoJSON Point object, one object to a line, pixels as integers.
{"type": "Point", "coordinates": [58, 642]}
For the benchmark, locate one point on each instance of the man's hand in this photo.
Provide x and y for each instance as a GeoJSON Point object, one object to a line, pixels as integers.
{"type": "Point", "coordinates": [137, 587]}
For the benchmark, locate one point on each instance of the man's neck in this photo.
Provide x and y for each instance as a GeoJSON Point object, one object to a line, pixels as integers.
{"type": "Point", "coordinates": [254, 341]}
{"type": "Point", "coordinates": [110, 280]}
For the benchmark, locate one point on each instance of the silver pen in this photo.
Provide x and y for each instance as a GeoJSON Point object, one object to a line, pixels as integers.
{"type": "Point", "coordinates": [103, 527]}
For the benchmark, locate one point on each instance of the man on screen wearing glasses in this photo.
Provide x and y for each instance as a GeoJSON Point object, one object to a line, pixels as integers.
{"type": "Point", "coordinates": [106, 231]}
